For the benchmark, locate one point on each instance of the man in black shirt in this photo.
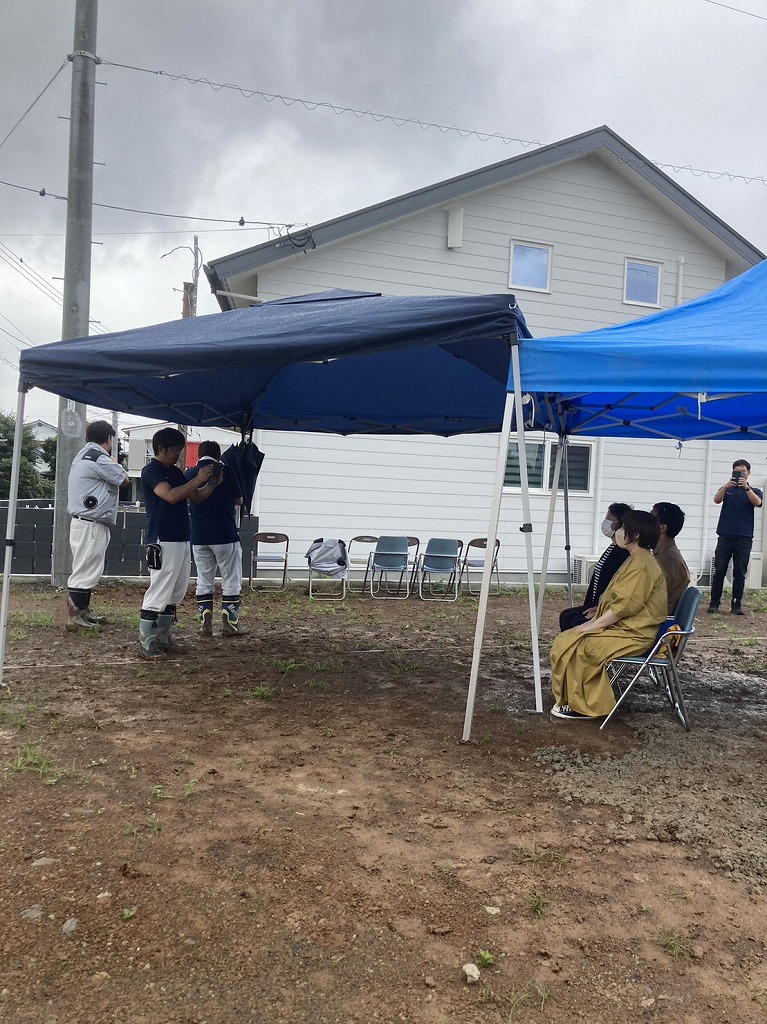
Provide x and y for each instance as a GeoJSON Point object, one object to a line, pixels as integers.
{"type": "Point", "coordinates": [166, 490]}
{"type": "Point", "coordinates": [736, 534]}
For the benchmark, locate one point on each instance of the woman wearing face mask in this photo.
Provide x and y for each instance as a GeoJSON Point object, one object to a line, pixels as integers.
{"type": "Point", "coordinates": [612, 559]}
{"type": "Point", "coordinates": [626, 622]}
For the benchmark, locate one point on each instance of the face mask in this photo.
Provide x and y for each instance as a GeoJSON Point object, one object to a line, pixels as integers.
{"type": "Point", "coordinates": [608, 526]}
{"type": "Point", "coordinates": [620, 538]}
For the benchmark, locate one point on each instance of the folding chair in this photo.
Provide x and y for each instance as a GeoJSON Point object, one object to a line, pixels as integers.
{"type": "Point", "coordinates": [266, 559]}
{"type": "Point", "coordinates": [328, 561]}
{"type": "Point", "coordinates": [475, 563]}
{"type": "Point", "coordinates": [365, 545]}
{"type": "Point", "coordinates": [440, 559]}
{"type": "Point", "coordinates": [413, 548]}
{"type": "Point", "coordinates": [661, 662]}
{"type": "Point", "coordinates": [389, 559]}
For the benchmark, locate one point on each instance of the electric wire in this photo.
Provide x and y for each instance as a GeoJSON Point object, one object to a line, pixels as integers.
{"type": "Point", "coordinates": [32, 104]}
{"type": "Point", "coordinates": [399, 122]}
{"type": "Point", "coordinates": [737, 10]}
{"type": "Point", "coordinates": [13, 260]}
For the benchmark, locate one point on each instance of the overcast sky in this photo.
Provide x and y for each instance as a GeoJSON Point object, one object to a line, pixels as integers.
{"type": "Point", "coordinates": [683, 81]}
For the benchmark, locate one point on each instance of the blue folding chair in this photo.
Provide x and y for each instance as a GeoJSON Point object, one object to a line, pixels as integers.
{"type": "Point", "coordinates": [389, 563]}
{"type": "Point", "coordinates": [438, 570]}
{"type": "Point", "coordinates": [661, 662]}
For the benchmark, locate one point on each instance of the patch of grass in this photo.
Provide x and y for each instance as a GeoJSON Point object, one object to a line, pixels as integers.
{"type": "Point", "coordinates": [333, 665]}
{"type": "Point", "coordinates": [536, 904]}
{"type": "Point", "coordinates": [34, 619]}
{"type": "Point", "coordinates": [285, 665]}
{"type": "Point", "coordinates": [128, 913]}
{"type": "Point", "coordinates": [674, 945]}
{"type": "Point", "coordinates": [31, 758]}
{"type": "Point", "coordinates": [516, 997]}
{"type": "Point", "coordinates": [318, 684]}
{"type": "Point", "coordinates": [485, 958]}
{"type": "Point", "coordinates": [262, 693]}
{"type": "Point", "coordinates": [183, 758]}
{"type": "Point", "coordinates": [158, 793]}
{"type": "Point", "coordinates": [189, 787]}
{"type": "Point", "coordinates": [403, 662]}
{"type": "Point", "coordinates": [542, 992]}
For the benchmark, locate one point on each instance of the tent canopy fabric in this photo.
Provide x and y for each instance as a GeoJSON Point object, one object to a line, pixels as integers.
{"type": "Point", "coordinates": [694, 371]}
{"type": "Point", "coordinates": [340, 362]}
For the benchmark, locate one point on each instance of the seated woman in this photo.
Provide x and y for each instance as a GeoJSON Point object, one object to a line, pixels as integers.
{"type": "Point", "coordinates": [626, 622]}
{"type": "Point", "coordinates": [612, 559]}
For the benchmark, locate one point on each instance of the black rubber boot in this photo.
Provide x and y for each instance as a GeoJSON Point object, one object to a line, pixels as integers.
{"type": "Point", "coordinates": [77, 608]}
{"type": "Point", "coordinates": [736, 608]}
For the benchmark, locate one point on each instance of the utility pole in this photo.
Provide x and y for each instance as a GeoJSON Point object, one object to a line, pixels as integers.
{"type": "Point", "coordinates": [77, 262]}
{"type": "Point", "coordinates": [189, 308]}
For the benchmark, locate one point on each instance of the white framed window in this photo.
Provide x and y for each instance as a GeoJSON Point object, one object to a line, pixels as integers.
{"type": "Point", "coordinates": [541, 462]}
{"type": "Point", "coordinates": [530, 266]}
{"type": "Point", "coordinates": [641, 282]}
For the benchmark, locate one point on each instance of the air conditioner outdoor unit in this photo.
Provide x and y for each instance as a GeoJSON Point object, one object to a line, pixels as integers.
{"type": "Point", "coordinates": [753, 575]}
{"type": "Point", "coordinates": [582, 568]}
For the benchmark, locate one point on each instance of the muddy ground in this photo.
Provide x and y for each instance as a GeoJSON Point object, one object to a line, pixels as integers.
{"type": "Point", "coordinates": [287, 828]}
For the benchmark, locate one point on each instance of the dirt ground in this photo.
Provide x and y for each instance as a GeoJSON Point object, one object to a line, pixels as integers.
{"type": "Point", "coordinates": [287, 827]}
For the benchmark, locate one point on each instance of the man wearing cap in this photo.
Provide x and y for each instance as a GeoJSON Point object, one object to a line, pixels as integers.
{"type": "Point", "coordinates": [93, 496]}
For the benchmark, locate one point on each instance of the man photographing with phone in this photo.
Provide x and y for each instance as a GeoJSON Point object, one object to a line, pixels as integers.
{"type": "Point", "coordinates": [736, 534]}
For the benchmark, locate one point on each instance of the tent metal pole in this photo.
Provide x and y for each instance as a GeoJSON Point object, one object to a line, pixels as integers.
{"type": "Point", "coordinates": [10, 531]}
{"type": "Point", "coordinates": [487, 570]}
{"type": "Point", "coordinates": [566, 490]}
{"type": "Point", "coordinates": [549, 529]}
{"type": "Point", "coordinates": [527, 524]}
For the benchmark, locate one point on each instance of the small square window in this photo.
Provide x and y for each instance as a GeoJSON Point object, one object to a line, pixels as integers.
{"type": "Point", "coordinates": [541, 460]}
{"type": "Point", "coordinates": [530, 266]}
{"type": "Point", "coordinates": [641, 284]}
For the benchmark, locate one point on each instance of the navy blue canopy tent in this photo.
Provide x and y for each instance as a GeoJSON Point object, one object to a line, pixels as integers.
{"type": "Point", "coordinates": [341, 362]}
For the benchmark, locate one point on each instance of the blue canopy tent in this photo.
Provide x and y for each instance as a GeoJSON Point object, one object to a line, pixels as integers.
{"type": "Point", "coordinates": [340, 362]}
{"type": "Point", "coordinates": [697, 371]}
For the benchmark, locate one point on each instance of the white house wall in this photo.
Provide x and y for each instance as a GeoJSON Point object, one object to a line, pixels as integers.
{"type": "Point", "coordinates": [315, 485]}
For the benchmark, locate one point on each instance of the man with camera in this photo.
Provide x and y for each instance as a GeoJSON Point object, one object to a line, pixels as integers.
{"type": "Point", "coordinates": [216, 545]}
{"type": "Point", "coordinates": [736, 534]}
{"type": "Point", "coordinates": [93, 493]}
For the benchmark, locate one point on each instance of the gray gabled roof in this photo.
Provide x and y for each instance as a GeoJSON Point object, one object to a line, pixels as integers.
{"type": "Point", "coordinates": [601, 141]}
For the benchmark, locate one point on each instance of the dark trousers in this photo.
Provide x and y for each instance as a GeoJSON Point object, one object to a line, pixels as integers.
{"type": "Point", "coordinates": [572, 617]}
{"type": "Point", "coordinates": [738, 549]}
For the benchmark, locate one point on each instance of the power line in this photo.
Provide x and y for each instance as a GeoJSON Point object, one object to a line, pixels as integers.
{"type": "Point", "coordinates": [270, 225]}
{"type": "Point", "coordinates": [737, 10]}
{"type": "Point", "coordinates": [31, 105]}
{"type": "Point", "coordinates": [289, 101]}
{"type": "Point", "coordinates": [401, 122]}
{"type": "Point", "coordinates": [13, 260]}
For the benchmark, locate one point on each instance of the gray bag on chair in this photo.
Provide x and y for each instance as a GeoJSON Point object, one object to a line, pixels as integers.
{"type": "Point", "coordinates": [328, 556]}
